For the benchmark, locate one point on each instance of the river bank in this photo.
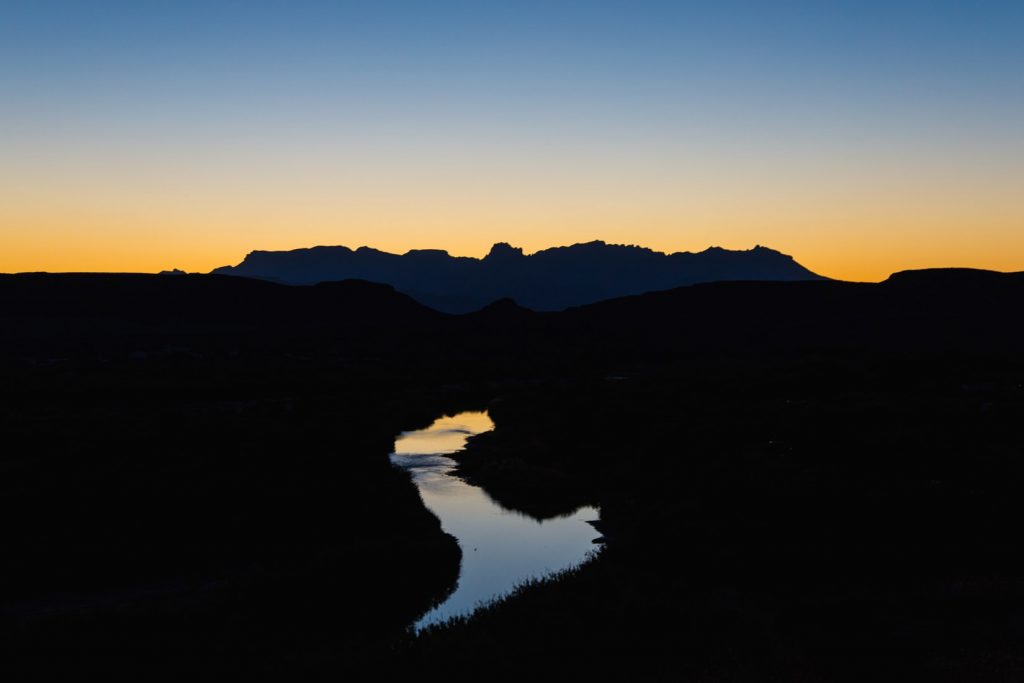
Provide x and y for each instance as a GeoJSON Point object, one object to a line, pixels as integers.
{"type": "Point", "coordinates": [501, 547]}
{"type": "Point", "coordinates": [181, 524]}
{"type": "Point", "coordinates": [829, 518]}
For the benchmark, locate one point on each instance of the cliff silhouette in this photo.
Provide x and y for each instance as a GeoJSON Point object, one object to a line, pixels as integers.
{"type": "Point", "coordinates": [549, 280]}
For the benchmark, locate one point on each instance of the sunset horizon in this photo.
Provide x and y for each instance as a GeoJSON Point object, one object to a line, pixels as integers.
{"type": "Point", "coordinates": [861, 138]}
{"type": "Point", "coordinates": [120, 263]}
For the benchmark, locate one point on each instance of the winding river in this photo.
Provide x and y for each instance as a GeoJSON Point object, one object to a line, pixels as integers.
{"type": "Point", "coordinates": [501, 548]}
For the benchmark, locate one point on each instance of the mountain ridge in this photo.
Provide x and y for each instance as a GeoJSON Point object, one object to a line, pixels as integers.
{"type": "Point", "coordinates": [551, 279]}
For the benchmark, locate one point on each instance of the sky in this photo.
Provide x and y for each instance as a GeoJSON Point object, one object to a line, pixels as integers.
{"type": "Point", "coordinates": [862, 137]}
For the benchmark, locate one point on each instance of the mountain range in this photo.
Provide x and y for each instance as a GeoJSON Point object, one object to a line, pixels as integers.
{"type": "Point", "coordinates": [548, 280]}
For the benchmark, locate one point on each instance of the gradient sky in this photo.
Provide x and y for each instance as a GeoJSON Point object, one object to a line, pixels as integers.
{"type": "Point", "coordinates": [860, 137]}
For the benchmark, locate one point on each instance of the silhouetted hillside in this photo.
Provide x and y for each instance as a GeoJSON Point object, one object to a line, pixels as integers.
{"type": "Point", "coordinates": [44, 315]}
{"type": "Point", "coordinates": [152, 298]}
{"type": "Point", "coordinates": [197, 485]}
{"type": "Point", "coordinates": [549, 280]}
{"type": "Point", "coordinates": [928, 309]}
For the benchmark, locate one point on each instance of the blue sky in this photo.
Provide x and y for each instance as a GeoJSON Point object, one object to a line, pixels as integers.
{"type": "Point", "coordinates": [664, 118]}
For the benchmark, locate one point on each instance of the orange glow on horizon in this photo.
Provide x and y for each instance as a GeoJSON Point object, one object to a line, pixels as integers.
{"type": "Point", "coordinates": [853, 225]}
{"type": "Point", "coordinates": [857, 254]}
{"type": "Point", "coordinates": [861, 140]}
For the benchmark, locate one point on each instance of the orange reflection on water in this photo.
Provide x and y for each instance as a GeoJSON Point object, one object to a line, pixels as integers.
{"type": "Point", "coordinates": [445, 435]}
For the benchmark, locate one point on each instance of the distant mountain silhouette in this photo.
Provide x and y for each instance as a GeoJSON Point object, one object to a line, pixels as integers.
{"type": "Point", "coordinates": [549, 280]}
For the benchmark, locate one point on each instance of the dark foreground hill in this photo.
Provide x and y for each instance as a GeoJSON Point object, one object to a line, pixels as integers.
{"type": "Point", "coordinates": [117, 315]}
{"type": "Point", "coordinates": [548, 280]}
{"type": "Point", "coordinates": [912, 310]}
{"type": "Point", "coordinates": [112, 316]}
{"type": "Point", "coordinates": [810, 481]}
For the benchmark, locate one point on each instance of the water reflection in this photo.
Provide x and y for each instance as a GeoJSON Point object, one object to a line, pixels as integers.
{"type": "Point", "coordinates": [500, 548]}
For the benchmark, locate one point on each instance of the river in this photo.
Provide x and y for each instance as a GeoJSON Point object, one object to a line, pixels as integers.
{"type": "Point", "coordinates": [501, 548]}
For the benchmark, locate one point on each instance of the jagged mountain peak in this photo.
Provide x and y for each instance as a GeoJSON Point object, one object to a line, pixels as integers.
{"type": "Point", "coordinates": [502, 250]}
